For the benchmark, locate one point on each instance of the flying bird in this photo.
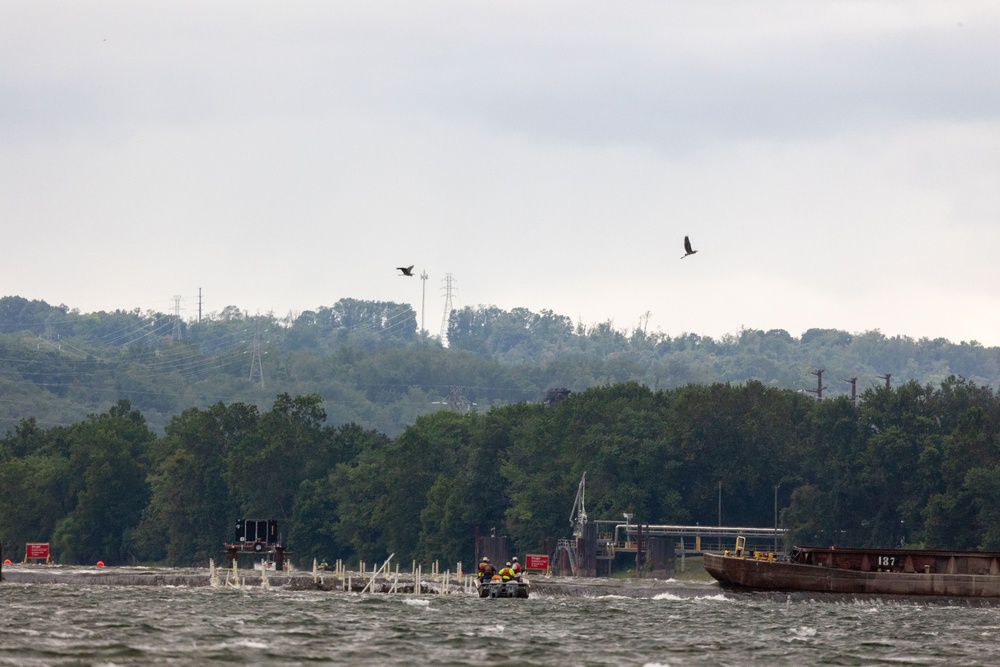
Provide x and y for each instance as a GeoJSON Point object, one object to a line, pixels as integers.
{"type": "Point", "coordinates": [406, 270]}
{"type": "Point", "coordinates": [687, 248]}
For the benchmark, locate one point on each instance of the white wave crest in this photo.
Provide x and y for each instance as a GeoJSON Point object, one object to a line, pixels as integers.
{"type": "Point", "coordinates": [672, 596]}
{"type": "Point", "coordinates": [418, 603]}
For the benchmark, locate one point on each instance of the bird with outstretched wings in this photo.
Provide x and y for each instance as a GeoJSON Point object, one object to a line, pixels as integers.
{"type": "Point", "coordinates": [687, 248]}
{"type": "Point", "coordinates": [406, 270]}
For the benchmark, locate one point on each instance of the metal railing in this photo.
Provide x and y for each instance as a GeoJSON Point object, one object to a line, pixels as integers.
{"type": "Point", "coordinates": [692, 539]}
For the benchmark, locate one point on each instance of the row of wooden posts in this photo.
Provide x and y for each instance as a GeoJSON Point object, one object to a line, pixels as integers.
{"type": "Point", "coordinates": [467, 583]}
{"type": "Point", "coordinates": [443, 579]}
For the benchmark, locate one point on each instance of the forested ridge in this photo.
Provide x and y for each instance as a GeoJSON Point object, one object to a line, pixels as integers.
{"type": "Point", "coordinates": [916, 463]}
{"type": "Point", "coordinates": [373, 367]}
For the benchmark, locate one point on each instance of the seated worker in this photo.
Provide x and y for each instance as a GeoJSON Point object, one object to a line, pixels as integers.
{"type": "Point", "coordinates": [516, 567]}
{"type": "Point", "coordinates": [506, 573]}
{"type": "Point", "coordinates": [486, 570]}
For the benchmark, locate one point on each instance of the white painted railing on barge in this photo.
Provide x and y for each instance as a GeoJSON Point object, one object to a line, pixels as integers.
{"type": "Point", "coordinates": [623, 536]}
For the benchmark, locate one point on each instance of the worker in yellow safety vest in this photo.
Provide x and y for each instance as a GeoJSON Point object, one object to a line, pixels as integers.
{"type": "Point", "coordinates": [486, 570]}
{"type": "Point", "coordinates": [506, 573]}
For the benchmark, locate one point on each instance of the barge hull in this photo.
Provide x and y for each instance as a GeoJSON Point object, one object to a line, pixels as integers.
{"type": "Point", "coordinates": [755, 574]}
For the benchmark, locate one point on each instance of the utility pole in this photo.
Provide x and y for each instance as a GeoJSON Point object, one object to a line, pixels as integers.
{"type": "Point", "coordinates": [423, 302]}
{"type": "Point", "coordinates": [854, 391]}
{"type": "Point", "coordinates": [776, 518]}
{"type": "Point", "coordinates": [819, 385]}
{"type": "Point", "coordinates": [448, 307]}
{"type": "Point", "coordinates": [886, 378]}
{"type": "Point", "coordinates": [176, 335]}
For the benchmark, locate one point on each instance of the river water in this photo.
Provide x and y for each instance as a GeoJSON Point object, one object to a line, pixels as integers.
{"type": "Point", "coordinates": [67, 624]}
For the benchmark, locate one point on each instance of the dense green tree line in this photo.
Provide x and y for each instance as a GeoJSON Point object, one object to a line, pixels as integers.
{"type": "Point", "coordinates": [373, 367]}
{"type": "Point", "coordinates": [917, 465]}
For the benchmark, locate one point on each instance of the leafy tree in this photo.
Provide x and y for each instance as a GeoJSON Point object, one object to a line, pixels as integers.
{"type": "Point", "coordinates": [323, 511]}
{"type": "Point", "coordinates": [108, 466]}
{"type": "Point", "coordinates": [428, 450]}
{"type": "Point", "coordinates": [984, 489]}
{"type": "Point", "coordinates": [190, 509]}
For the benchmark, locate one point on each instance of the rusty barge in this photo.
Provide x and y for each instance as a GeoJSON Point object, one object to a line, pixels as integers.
{"type": "Point", "coordinates": [862, 571]}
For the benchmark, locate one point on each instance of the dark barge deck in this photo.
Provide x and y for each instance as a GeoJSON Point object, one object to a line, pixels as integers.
{"type": "Point", "coordinates": [863, 571]}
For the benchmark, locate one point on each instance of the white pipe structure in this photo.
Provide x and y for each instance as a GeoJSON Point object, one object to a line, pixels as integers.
{"type": "Point", "coordinates": [692, 531]}
{"type": "Point", "coordinates": [376, 573]}
{"type": "Point", "coordinates": [235, 582]}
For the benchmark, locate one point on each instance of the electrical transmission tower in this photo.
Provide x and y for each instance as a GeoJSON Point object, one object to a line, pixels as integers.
{"type": "Point", "coordinates": [449, 289]}
{"type": "Point", "coordinates": [457, 402]}
{"type": "Point", "coordinates": [644, 318]}
{"type": "Point", "coordinates": [256, 367]}
{"type": "Point", "coordinates": [423, 302]}
{"type": "Point", "coordinates": [176, 335]}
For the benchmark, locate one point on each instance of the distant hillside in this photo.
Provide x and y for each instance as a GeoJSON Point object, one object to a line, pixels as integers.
{"type": "Point", "coordinates": [371, 365]}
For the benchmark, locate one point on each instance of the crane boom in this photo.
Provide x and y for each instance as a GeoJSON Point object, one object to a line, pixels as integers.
{"type": "Point", "coordinates": [578, 515]}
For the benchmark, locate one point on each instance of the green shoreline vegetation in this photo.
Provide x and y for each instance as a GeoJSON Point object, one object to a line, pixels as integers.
{"type": "Point", "coordinates": [127, 445]}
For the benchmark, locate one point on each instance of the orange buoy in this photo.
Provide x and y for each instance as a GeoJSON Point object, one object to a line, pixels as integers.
{"type": "Point", "coordinates": [6, 561]}
{"type": "Point", "coordinates": [100, 563]}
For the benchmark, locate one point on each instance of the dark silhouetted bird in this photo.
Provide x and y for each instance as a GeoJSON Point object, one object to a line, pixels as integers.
{"type": "Point", "coordinates": [687, 248]}
{"type": "Point", "coordinates": [406, 270]}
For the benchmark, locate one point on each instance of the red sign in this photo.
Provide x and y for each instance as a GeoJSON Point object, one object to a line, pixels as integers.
{"type": "Point", "coordinates": [36, 550]}
{"type": "Point", "coordinates": [536, 562]}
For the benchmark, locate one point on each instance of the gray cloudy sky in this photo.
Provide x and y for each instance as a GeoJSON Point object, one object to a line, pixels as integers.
{"type": "Point", "coordinates": [837, 164]}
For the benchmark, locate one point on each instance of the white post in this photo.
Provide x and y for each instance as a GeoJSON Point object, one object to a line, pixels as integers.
{"type": "Point", "coordinates": [235, 577]}
{"type": "Point", "coordinates": [375, 573]}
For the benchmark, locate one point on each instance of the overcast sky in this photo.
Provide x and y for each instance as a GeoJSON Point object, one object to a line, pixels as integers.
{"type": "Point", "coordinates": [836, 164]}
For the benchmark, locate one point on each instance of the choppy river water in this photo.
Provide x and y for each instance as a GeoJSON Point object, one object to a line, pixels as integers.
{"type": "Point", "coordinates": [57, 624]}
